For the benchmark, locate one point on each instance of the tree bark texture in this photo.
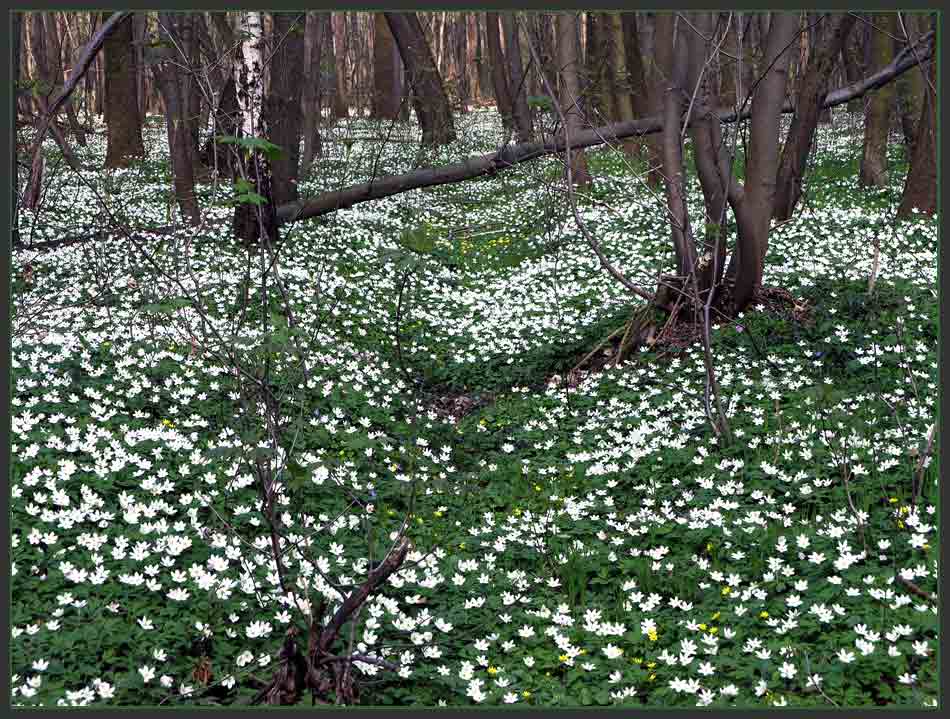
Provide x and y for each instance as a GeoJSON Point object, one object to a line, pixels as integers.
{"type": "Point", "coordinates": [517, 84]}
{"type": "Point", "coordinates": [124, 131]}
{"type": "Point", "coordinates": [568, 60]}
{"type": "Point", "coordinates": [498, 65]}
{"type": "Point", "coordinates": [341, 102]}
{"type": "Point", "coordinates": [920, 187]}
{"type": "Point", "coordinates": [387, 73]}
{"type": "Point", "coordinates": [310, 94]}
{"type": "Point", "coordinates": [754, 210]}
{"type": "Point", "coordinates": [168, 80]}
{"type": "Point", "coordinates": [810, 97]}
{"type": "Point", "coordinates": [282, 105]}
{"type": "Point", "coordinates": [873, 172]}
{"type": "Point", "coordinates": [428, 92]}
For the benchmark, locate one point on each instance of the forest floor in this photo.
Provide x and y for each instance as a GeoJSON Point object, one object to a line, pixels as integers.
{"type": "Point", "coordinates": [582, 542]}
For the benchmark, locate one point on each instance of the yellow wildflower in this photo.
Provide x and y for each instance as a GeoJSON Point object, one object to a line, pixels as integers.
{"type": "Point", "coordinates": [764, 614]}
{"type": "Point", "coordinates": [492, 670]}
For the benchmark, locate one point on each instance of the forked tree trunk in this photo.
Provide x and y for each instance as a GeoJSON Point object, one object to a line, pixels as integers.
{"type": "Point", "coordinates": [920, 188]}
{"type": "Point", "coordinates": [282, 105]}
{"type": "Point", "coordinates": [428, 93]}
{"type": "Point", "coordinates": [877, 120]}
{"type": "Point", "coordinates": [671, 58]}
{"type": "Point", "coordinates": [124, 132]}
{"type": "Point", "coordinates": [753, 209]}
{"type": "Point", "coordinates": [713, 165]}
{"type": "Point", "coordinates": [811, 94]}
{"type": "Point", "coordinates": [521, 113]}
{"type": "Point", "coordinates": [568, 60]}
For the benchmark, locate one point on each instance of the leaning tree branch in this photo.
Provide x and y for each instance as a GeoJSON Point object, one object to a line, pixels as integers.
{"type": "Point", "coordinates": [359, 595]}
{"type": "Point", "coordinates": [88, 54]}
{"type": "Point", "coordinates": [507, 157]}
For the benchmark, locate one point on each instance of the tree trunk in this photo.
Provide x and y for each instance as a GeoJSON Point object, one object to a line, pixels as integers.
{"type": "Point", "coordinates": [428, 93]}
{"type": "Point", "coordinates": [43, 94]}
{"type": "Point", "coordinates": [139, 32]}
{"type": "Point", "coordinates": [387, 74]}
{"type": "Point", "coordinates": [878, 117]}
{"type": "Point", "coordinates": [521, 113]}
{"type": "Point", "coordinates": [249, 225]}
{"type": "Point", "coordinates": [499, 76]}
{"type": "Point", "coordinates": [55, 53]}
{"type": "Point", "coordinates": [653, 101]}
{"type": "Point", "coordinates": [16, 20]}
{"type": "Point", "coordinates": [853, 59]}
{"type": "Point", "coordinates": [341, 102]}
{"type": "Point", "coordinates": [124, 131]}
{"type": "Point", "coordinates": [191, 91]}
{"type": "Point", "coordinates": [282, 106]}
{"type": "Point", "coordinates": [310, 95]}
{"type": "Point", "coordinates": [568, 60]}
{"type": "Point", "coordinates": [754, 210]}
{"type": "Point", "coordinates": [920, 187]}
{"type": "Point", "coordinates": [671, 58]}
{"type": "Point", "coordinates": [809, 99]}
{"type": "Point", "coordinates": [620, 85]}
{"type": "Point", "coordinates": [910, 85]}
{"type": "Point", "coordinates": [712, 162]}
{"type": "Point", "coordinates": [483, 59]}
{"type": "Point", "coordinates": [179, 134]}
{"type": "Point", "coordinates": [596, 90]}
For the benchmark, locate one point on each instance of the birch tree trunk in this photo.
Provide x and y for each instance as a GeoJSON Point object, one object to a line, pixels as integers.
{"type": "Point", "coordinates": [253, 222]}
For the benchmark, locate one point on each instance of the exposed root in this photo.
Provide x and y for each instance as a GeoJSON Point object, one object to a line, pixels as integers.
{"type": "Point", "coordinates": [681, 329]}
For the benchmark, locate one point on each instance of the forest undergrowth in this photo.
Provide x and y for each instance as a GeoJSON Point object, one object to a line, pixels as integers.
{"type": "Point", "coordinates": [577, 539]}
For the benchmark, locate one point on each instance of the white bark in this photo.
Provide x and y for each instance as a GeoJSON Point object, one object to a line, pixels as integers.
{"type": "Point", "coordinates": [248, 71]}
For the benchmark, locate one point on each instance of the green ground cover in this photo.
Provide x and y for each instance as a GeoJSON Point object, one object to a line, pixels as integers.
{"type": "Point", "coordinates": [583, 542]}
